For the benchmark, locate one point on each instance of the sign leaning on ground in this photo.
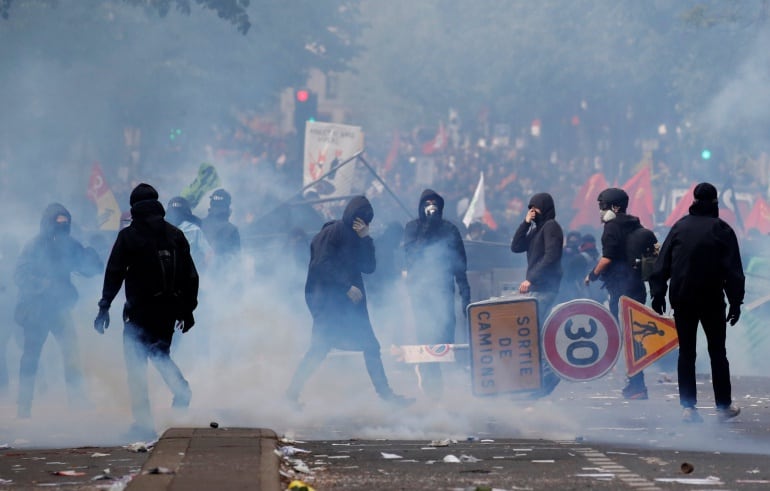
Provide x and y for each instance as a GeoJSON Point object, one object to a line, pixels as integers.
{"type": "Point", "coordinates": [647, 335]}
{"type": "Point", "coordinates": [581, 340]}
{"type": "Point", "coordinates": [504, 346]}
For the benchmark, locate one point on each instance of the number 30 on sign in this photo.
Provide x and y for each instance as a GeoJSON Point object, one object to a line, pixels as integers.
{"type": "Point", "coordinates": [581, 340]}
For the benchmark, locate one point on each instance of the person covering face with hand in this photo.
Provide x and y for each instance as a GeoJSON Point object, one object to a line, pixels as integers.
{"type": "Point", "coordinates": [542, 238]}
{"type": "Point", "coordinates": [335, 295]}
{"type": "Point", "coordinates": [699, 265]}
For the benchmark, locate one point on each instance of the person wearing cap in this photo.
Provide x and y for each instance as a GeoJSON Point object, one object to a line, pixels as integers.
{"type": "Point", "coordinates": [542, 238]}
{"type": "Point", "coordinates": [699, 264]}
{"type": "Point", "coordinates": [180, 215]}
{"type": "Point", "coordinates": [336, 298]}
{"type": "Point", "coordinates": [153, 258]}
{"type": "Point", "coordinates": [615, 270]}
{"type": "Point", "coordinates": [43, 275]}
{"type": "Point", "coordinates": [223, 236]}
{"type": "Point", "coordinates": [435, 263]}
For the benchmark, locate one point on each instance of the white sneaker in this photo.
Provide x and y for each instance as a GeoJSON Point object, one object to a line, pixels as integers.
{"type": "Point", "coordinates": [690, 415]}
{"type": "Point", "coordinates": [729, 412]}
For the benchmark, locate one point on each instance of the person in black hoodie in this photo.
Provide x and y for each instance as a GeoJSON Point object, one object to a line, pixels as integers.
{"type": "Point", "coordinates": [435, 262]}
{"type": "Point", "coordinates": [336, 298]}
{"type": "Point", "coordinates": [541, 237]}
{"type": "Point", "coordinates": [223, 236]}
{"type": "Point", "coordinates": [43, 276]}
{"type": "Point", "coordinates": [153, 258]}
{"type": "Point", "coordinates": [702, 259]}
{"type": "Point", "coordinates": [615, 269]}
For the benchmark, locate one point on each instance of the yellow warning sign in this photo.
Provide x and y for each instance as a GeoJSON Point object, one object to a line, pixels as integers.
{"type": "Point", "coordinates": [504, 345]}
{"type": "Point", "coordinates": [647, 336]}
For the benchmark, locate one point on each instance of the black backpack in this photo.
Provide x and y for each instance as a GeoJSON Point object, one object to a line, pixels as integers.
{"type": "Point", "coordinates": [642, 250]}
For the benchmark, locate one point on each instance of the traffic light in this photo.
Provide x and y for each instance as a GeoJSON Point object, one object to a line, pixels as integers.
{"type": "Point", "coordinates": [705, 154]}
{"type": "Point", "coordinates": [174, 133]}
{"type": "Point", "coordinates": [305, 109]}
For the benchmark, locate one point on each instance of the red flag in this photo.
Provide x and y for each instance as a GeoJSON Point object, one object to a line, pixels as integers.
{"type": "Point", "coordinates": [438, 142]}
{"type": "Point", "coordinates": [585, 202]}
{"type": "Point", "coordinates": [759, 216]}
{"type": "Point", "coordinates": [390, 160]}
{"type": "Point", "coordinates": [681, 208]}
{"type": "Point", "coordinates": [640, 204]}
{"type": "Point", "coordinates": [107, 209]}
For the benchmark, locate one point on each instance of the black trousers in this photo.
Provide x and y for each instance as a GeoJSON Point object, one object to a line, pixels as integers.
{"type": "Point", "coordinates": [711, 316]}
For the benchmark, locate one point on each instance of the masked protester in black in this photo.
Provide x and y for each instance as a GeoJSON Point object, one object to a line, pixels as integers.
{"type": "Point", "coordinates": [615, 269]}
{"type": "Point", "coordinates": [161, 287]}
{"type": "Point", "coordinates": [46, 297]}
{"type": "Point", "coordinates": [336, 298]}
{"type": "Point", "coordinates": [541, 237]}
{"type": "Point", "coordinates": [223, 236]}
{"type": "Point", "coordinates": [435, 262]}
{"type": "Point", "coordinates": [701, 258]}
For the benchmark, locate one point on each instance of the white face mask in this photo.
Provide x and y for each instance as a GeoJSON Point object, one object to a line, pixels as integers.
{"type": "Point", "coordinates": [430, 209]}
{"type": "Point", "coordinates": [607, 215]}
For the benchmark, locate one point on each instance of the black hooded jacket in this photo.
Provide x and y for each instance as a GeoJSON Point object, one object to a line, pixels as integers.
{"type": "Point", "coordinates": [45, 266]}
{"type": "Point", "coordinates": [338, 257]}
{"type": "Point", "coordinates": [135, 259]}
{"type": "Point", "coordinates": [701, 257]}
{"type": "Point", "coordinates": [543, 244]}
{"type": "Point", "coordinates": [436, 261]}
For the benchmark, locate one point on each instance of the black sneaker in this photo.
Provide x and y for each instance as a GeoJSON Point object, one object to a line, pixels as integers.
{"type": "Point", "coordinates": [725, 413]}
{"type": "Point", "coordinates": [635, 393]}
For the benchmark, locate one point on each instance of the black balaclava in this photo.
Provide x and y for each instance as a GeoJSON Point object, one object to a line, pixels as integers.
{"type": "Point", "coordinates": [219, 204]}
{"type": "Point", "coordinates": [142, 192]}
{"type": "Point", "coordinates": [50, 227]}
{"type": "Point", "coordinates": [178, 211]}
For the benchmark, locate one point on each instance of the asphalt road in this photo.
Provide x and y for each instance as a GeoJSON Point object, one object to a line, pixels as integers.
{"type": "Point", "coordinates": [584, 436]}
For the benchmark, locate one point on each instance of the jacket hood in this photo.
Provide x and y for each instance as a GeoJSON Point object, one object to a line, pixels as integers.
{"type": "Point", "coordinates": [432, 195]}
{"type": "Point", "coordinates": [48, 220]}
{"type": "Point", "coordinates": [358, 207]}
{"type": "Point", "coordinates": [148, 213]}
{"type": "Point", "coordinates": [544, 202]}
{"type": "Point", "coordinates": [142, 192]}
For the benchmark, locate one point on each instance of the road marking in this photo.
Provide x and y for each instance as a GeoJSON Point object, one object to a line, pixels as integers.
{"type": "Point", "coordinates": [622, 473]}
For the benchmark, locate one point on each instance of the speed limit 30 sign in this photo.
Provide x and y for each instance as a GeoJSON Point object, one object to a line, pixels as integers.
{"type": "Point", "coordinates": [581, 340]}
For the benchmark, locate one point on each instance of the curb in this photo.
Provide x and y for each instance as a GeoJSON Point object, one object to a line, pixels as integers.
{"type": "Point", "coordinates": [209, 458]}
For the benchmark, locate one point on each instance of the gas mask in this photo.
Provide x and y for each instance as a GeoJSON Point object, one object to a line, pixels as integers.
{"type": "Point", "coordinates": [431, 210]}
{"type": "Point", "coordinates": [607, 215]}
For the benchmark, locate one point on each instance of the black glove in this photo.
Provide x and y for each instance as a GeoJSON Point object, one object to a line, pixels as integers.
{"type": "Point", "coordinates": [733, 314]}
{"type": "Point", "coordinates": [102, 320]}
{"type": "Point", "coordinates": [186, 323]}
{"type": "Point", "coordinates": [659, 304]}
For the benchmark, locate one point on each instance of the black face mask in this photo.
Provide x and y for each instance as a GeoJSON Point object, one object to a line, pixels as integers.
{"type": "Point", "coordinates": [61, 229]}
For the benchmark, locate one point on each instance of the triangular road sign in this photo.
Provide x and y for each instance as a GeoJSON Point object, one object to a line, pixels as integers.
{"type": "Point", "coordinates": [647, 336]}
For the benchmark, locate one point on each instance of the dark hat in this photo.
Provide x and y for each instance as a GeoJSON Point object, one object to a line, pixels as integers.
{"type": "Point", "coordinates": [588, 238]}
{"type": "Point", "coordinates": [143, 192]}
{"type": "Point", "coordinates": [613, 197]}
{"type": "Point", "coordinates": [705, 192]}
{"type": "Point", "coordinates": [220, 198]}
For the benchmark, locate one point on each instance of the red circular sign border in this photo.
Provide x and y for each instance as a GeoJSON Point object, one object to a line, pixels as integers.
{"type": "Point", "coordinates": [560, 315]}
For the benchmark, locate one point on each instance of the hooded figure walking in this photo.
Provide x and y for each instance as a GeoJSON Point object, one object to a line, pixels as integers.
{"type": "Point", "coordinates": [435, 262]}
{"type": "Point", "coordinates": [153, 258]}
{"type": "Point", "coordinates": [542, 238]}
{"type": "Point", "coordinates": [46, 296]}
{"type": "Point", "coordinates": [336, 298]}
